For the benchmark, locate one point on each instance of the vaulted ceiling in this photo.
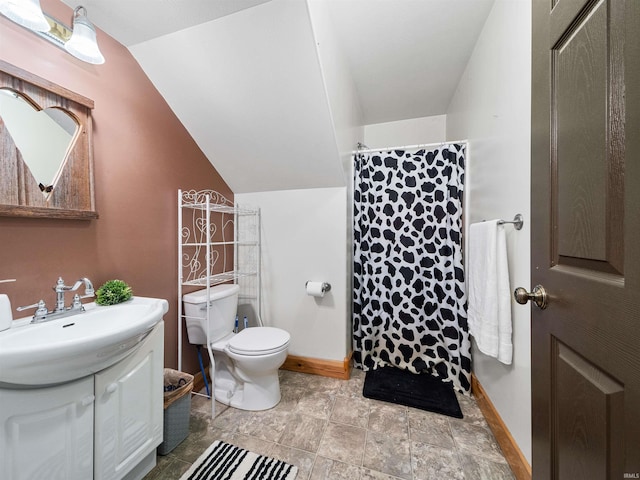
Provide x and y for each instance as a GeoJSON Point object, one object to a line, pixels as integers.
{"type": "Point", "coordinates": [251, 82]}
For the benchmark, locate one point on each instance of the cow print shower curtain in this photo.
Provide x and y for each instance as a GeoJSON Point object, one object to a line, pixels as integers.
{"type": "Point", "coordinates": [409, 293]}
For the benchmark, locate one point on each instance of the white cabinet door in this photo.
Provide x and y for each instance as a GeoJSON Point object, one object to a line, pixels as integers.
{"type": "Point", "coordinates": [129, 411]}
{"type": "Point", "coordinates": [47, 432]}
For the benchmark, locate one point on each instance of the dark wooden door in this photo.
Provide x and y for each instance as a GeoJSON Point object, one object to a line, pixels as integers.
{"type": "Point", "coordinates": [585, 205]}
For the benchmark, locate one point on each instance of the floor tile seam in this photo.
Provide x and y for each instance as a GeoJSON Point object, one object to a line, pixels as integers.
{"type": "Point", "coordinates": [460, 447]}
{"type": "Point", "coordinates": [333, 405]}
{"type": "Point", "coordinates": [426, 442]}
{"type": "Point", "coordinates": [364, 450]}
{"type": "Point", "coordinates": [165, 468]}
{"type": "Point", "coordinates": [392, 477]}
{"type": "Point", "coordinates": [411, 469]}
{"type": "Point", "coordinates": [373, 432]}
{"type": "Point", "coordinates": [325, 427]}
{"type": "Point", "coordinates": [458, 456]}
{"type": "Point", "coordinates": [310, 415]}
{"type": "Point", "coordinates": [469, 421]}
{"type": "Point", "coordinates": [360, 464]}
{"type": "Point", "coordinates": [348, 464]}
{"type": "Point", "coordinates": [368, 415]}
{"type": "Point", "coordinates": [273, 454]}
{"type": "Point", "coordinates": [171, 454]}
{"type": "Point", "coordinates": [462, 455]}
{"type": "Point", "coordinates": [463, 451]}
{"type": "Point", "coordinates": [277, 442]}
{"type": "Point", "coordinates": [490, 458]}
{"type": "Point", "coordinates": [453, 437]}
{"type": "Point", "coordinates": [301, 450]}
{"type": "Point", "coordinates": [338, 422]}
{"type": "Point", "coordinates": [456, 444]}
{"type": "Point", "coordinates": [181, 461]}
{"type": "Point", "coordinates": [257, 437]}
{"type": "Point", "coordinates": [313, 465]}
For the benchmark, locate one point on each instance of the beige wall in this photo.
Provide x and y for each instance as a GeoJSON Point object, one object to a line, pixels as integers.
{"type": "Point", "coordinates": [142, 155]}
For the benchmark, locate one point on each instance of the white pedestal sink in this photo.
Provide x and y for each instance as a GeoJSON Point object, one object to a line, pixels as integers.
{"type": "Point", "coordinates": [81, 396]}
{"type": "Point", "coordinates": [73, 347]}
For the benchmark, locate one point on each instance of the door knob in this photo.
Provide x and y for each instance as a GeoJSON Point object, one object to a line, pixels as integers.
{"type": "Point", "coordinates": [538, 295]}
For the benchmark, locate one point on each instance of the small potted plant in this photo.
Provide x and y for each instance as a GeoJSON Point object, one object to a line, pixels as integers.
{"type": "Point", "coordinates": [113, 292]}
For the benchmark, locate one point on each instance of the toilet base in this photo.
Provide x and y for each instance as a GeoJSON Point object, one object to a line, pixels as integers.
{"type": "Point", "coordinates": [262, 393]}
{"type": "Point", "coordinates": [246, 382]}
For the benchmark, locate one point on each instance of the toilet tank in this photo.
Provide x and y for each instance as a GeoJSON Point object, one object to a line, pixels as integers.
{"type": "Point", "coordinates": [222, 313]}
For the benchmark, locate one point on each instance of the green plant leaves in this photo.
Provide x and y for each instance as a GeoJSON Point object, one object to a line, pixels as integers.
{"type": "Point", "coordinates": [113, 292]}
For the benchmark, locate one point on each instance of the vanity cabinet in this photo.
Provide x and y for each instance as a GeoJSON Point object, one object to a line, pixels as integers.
{"type": "Point", "coordinates": [48, 432]}
{"type": "Point", "coordinates": [129, 409]}
{"type": "Point", "coordinates": [106, 426]}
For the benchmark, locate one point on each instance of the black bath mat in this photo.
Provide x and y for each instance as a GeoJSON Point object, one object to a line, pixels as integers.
{"type": "Point", "coordinates": [421, 391]}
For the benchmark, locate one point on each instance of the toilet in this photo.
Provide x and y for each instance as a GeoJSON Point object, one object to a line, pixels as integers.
{"type": "Point", "coordinates": [245, 364]}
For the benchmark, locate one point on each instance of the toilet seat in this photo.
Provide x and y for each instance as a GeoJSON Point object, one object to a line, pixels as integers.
{"type": "Point", "coordinates": [259, 341]}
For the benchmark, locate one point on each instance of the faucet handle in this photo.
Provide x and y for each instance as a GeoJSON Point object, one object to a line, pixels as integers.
{"type": "Point", "coordinates": [76, 301]}
{"type": "Point", "coordinates": [60, 287]}
{"type": "Point", "coordinates": [41, 308]}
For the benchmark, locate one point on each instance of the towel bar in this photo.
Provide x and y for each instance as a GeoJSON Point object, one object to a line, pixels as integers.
{"type": "Point", "coordinates": [518, 221]}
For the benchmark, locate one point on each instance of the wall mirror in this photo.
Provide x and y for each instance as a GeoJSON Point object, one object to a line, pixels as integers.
{"type": "Point", "coordinates": [46, 155]}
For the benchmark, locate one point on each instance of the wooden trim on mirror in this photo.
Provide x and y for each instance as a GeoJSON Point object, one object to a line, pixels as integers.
{"type": "Point", "coordinates": [72, 196]}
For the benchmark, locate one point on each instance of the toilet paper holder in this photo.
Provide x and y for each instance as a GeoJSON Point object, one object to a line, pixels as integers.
{"type": "Point", "coordinates": [325, 286]}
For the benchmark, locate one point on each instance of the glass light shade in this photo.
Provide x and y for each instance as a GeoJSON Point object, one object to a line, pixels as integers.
{"type": "Point", "coordinates": [83, 43]}
{"type": "Point", "coordinates": [26, 13]}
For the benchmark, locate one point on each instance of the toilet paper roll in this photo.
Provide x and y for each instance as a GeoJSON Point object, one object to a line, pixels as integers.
{"type": "Point", "coordinates": [315, 289]}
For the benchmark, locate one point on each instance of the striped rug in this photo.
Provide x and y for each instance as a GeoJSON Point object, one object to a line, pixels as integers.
{"type": "Point", "coordinates": [222, 461]}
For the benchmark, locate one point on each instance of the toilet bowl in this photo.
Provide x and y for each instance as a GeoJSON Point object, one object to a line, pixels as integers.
{"type": "Point", "coordinates": [244, 366]}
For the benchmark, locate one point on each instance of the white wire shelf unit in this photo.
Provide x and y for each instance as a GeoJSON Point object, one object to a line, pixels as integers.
{"type": "Point", "coordinates": [218, 242]}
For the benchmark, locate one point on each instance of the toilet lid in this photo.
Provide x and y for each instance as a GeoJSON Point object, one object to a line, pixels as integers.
{"type": "Point", "coordinates": [259, 341]}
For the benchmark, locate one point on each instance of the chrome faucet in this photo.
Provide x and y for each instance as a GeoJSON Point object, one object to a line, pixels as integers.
{"type": "Point", "coordinates": [61, 288]}
{"type": "Point", "coordinates": [42, 314]}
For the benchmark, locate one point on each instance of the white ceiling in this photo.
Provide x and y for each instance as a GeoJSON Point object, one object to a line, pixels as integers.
{"type": "Point", "coordinates": [135, 21]}
{"type": "Point", "coordinates": [406, 56]}
{"type": "Point", "coordinates": [245, 79]}
{"type": "Point", "coordinates": [250, 92]}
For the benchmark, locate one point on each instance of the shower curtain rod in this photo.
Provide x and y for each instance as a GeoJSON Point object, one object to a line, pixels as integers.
{"type": "Point", "coordinates": [407, 147]}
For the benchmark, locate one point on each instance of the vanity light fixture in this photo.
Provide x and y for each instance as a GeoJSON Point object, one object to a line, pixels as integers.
{"type": "Point", "coordinates": [80, 41]}
{"type": "Point", "coordinates": [26, 13]}
{"type": "Point", "coordinates": [83, 43]}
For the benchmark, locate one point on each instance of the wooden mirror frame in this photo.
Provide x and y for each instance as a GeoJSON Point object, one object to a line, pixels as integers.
{"type": "Point", "coordinates": [73, 196]}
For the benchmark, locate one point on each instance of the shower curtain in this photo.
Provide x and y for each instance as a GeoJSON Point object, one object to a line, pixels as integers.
{"type": "Point", "coordinates": [409, 299]}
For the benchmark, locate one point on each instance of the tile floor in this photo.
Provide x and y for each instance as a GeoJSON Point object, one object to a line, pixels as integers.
{"type": "Point", "coordinates": [330, 431]}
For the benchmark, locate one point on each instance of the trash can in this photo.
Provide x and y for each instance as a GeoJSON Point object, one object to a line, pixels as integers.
{"type": "Point", "coordinates": [177, 407]}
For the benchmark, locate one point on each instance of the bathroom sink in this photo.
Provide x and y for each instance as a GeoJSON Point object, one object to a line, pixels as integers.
{"type": "Point", "coordinates": [73, 347]}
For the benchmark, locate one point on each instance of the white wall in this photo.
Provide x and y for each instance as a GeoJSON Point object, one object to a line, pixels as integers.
{"type": "Point", "coordinates": [261, 116]}
{"type": "Point", "coordinates": [346, 115]}
{"type": "Point", "coordinates": [303, 237]}
{"type": "Point", "coordinates": [306, 233]}
{"type": "Point", "coordinates": [491, 108]}
{"type": "Point", "coordinates": [341, 93]}
{"type": "Point", "coordinates": [413, 131]}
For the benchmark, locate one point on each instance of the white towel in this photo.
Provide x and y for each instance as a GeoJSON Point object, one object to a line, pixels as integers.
{"type": "Point", "coordinates": [489, 310]}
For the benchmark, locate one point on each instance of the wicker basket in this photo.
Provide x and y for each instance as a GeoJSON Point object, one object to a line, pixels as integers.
{"type": "Point", "coordinates": [174, 377]}
{"type": "Point", "coordinates": [177, 407]}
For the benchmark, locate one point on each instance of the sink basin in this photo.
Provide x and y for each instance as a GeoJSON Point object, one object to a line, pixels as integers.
{"type": "Point", "coordinates": [73, 347]}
